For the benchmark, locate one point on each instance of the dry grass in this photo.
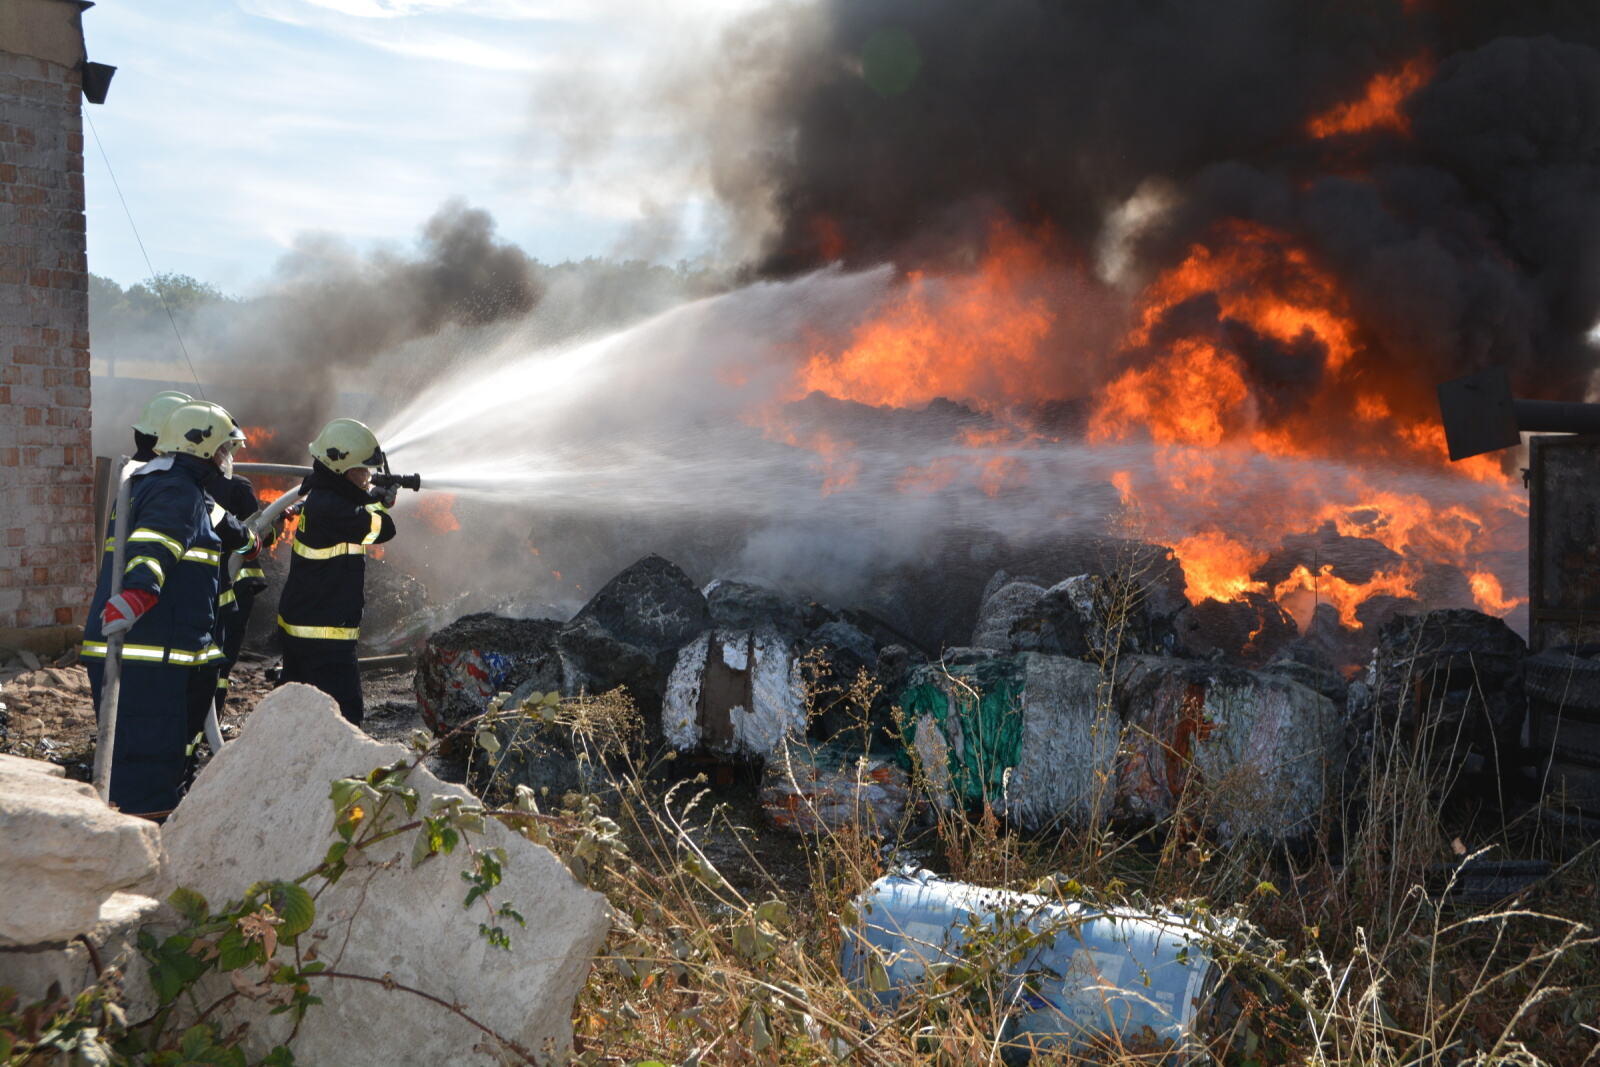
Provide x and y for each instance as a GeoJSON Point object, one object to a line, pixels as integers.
{"type": "Point", "coordinates": [1340, 955]}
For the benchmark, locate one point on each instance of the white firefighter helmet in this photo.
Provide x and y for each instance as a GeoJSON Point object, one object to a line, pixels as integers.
{"type": "Point", "coordinates": [156, 411]}
{"type": "Point", "coordinates": [346, 443]}
{"type": "Point", "coordinates": [197, 428]}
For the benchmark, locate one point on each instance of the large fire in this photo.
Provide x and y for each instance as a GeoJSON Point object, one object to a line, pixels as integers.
{"type": "Point", "coordinates": [1242, 481]}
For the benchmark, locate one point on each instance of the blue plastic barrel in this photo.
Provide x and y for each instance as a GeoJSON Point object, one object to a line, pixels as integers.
{"type": "Point", "coordinates": [1094, 976]}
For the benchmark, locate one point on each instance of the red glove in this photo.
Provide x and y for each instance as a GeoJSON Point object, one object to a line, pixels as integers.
{"type": "Point", "coordinates": [124, 609]}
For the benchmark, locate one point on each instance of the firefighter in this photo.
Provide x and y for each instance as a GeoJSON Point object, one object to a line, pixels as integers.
{"type": "Point", "coordinates": [166, 610]}
{"type": "Point", "coordinates": [320, 609]}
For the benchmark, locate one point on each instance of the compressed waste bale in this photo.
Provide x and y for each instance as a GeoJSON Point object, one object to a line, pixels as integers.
{"type": "Point", "coordinates": [807, 788]}
{"type": "Point", "coordinates": [734, 693]}
{"type": "Point", "coordinates": [1066, 764]}
{"type": "Point", "coordinates": [963, 726]}
{"type": "Point", "coordinates": [1006, 601]}
{"type": "Point", "coordinates": [1453, 676]}
{"type": "Point", "coordinates": [651, 605]}
{"type": "Point", "coordinates": [736, 605]}
{"type": "Point", "coordinates": [260, 810]}
{"type": "Point", "coordinates": [1033, 735]}
{"type": "Point", "coordinates": [833, 658]}
{"type": "Point", "coordinates": [1250, 629]}
{"type": "Point", "coordinates": [1245, 752]}
{"type": "Point", "coordinates": [1096, 616]}
{"type": "Point", "coordinates": [1139, 981]}
{"type": "Point", "coordinates": [63, 853]}
{"type": "Point", "coordinates": [463, 666]}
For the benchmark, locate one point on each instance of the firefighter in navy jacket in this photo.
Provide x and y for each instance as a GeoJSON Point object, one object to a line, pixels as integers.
{"type": "Point", "coordinates": [166, 610]}
{"type": "Point", "coordinates": [320, 609]}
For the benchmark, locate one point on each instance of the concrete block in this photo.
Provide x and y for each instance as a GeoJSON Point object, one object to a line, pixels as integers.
{"type": "Point", "coordinates": [63, 851]}
{"type": "Point", "coordinates": [261, 810]}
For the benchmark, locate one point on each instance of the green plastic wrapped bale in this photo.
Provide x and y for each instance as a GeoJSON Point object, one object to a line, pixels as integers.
{"type": "Point", "coordinates": [964, 723]}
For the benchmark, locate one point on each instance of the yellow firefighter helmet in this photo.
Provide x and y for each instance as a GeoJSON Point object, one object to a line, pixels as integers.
{"type": "Point", "coordinates": [346, 443]}
{"type": "Point", "coordinates": [156, 411]}
{"type": "Point", "coordinates": [197, 428]}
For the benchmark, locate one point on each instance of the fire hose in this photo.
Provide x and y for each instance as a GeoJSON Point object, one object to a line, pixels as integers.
{"type": "Point", "coordinates": [111, 678]}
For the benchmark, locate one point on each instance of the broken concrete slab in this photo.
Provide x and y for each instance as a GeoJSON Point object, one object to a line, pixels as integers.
{"type": "Point", "coordinates": [260, 810]}
{"type": "Point", "coordinates": [734, 693]}
{"type": "Point", "coordinates": [30, 972]}
{"type": "Point", "coordinates": [63, 852]}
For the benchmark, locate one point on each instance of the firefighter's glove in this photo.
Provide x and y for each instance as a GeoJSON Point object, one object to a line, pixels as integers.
{"type": "Point", "coordinates": [387, 495]}
{"type": "Point", "coordinates": [124, 609]}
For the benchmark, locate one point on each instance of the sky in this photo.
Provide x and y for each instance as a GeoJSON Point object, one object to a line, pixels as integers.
{"type": "Point", "coordinates": [235, 126]}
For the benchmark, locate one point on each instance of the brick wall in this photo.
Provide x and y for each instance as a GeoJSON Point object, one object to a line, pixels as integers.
{"type": "Point", "coordinates": [46, 465]}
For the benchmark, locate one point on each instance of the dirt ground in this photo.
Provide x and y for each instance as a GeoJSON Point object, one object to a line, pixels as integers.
{"type": "Point", "coordinates": [46, 711]}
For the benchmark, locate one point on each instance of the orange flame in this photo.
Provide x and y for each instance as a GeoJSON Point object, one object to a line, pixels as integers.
{"type": "Point", "coordinates": [1380, 106]}
{"type": "Point", "coordinates": [1236, 472]}
{"type": "Point", "coordinates": [972, 335]}
{"type": "Point", "coordinates": [436, 510]}
{"type": "Point", "coordinates": [1490, 596]}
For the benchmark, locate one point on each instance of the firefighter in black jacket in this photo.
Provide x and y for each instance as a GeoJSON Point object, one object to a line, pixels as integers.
{"type": "Point", "coordinates": [320, 610]}
{"type": "Point", "coordinates": [166, 609]}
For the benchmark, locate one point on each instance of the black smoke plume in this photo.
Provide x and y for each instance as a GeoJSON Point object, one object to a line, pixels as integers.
{"type": "Point", "coordinates": [894, 129]}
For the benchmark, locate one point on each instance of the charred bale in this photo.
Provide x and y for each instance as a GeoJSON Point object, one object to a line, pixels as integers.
{"type": "Point", "coordinates": [463, 666]}
{"type": "Point", "coordinates": [1249, 630]}
{"type": "Point", "coordinates": [651, 605]}
{"type": "Point", "coordinates": [1452, 682]}
{"type": "Point", "coordinates": [1006, 602]}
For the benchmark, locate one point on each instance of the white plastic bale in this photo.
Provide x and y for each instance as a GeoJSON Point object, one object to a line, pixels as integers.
{"type": "Point", "coordinates": [1070, 734]}
{"type": "Point", "coordinates": [777, 700]}
{"type": "Point", "coordinates": [680, 707]}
